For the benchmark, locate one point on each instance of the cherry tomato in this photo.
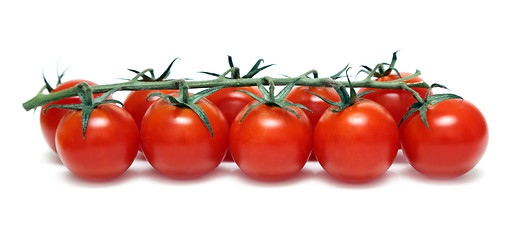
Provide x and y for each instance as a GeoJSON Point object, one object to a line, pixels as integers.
{"type": "Point", "coordinates": [271, 143]}
{"type": "Point", "coordinates": [231, 102]}
{"type": "Point", "coordinates": [312, 102]}
{"type": "Point", "coordinates": [136, 103]}
{"type": "Point", "coordinates": [397, 101]}
{"type": "Point", "coordinates": [109, 147]}
{"type": "Point", "coordinates": [455, 143]}
{"type": "Point", "coordinates": [357, 144]}
{"type": "Point", "coordinates": [177, 143]}
{"type": "Point", "coordinates": [50, 120]}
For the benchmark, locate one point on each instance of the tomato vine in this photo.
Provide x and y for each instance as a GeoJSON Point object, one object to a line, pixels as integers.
{"type": "Point", "coordinates": [222, 81]}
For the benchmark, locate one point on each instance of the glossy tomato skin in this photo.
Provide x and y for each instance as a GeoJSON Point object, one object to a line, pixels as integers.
{"type": "Point", "coordinates": [396, 101]}
{"type": "Point", "coordinates": [271, 143]}
{"type": "Point", "coordinates": [357, 144]}
{"type": "Point", "coordinates": [455, 143]}
{"type": "Point", "coordinates": [312, 102]}
{"type": "Point", "coordinates": [110, 145]}
{"type": "Point", "coordinates": [136, 103]}
{"type": "Point", "coordinates": [49, 121]}
{"type": "Point", "coordinates": [177, 143]}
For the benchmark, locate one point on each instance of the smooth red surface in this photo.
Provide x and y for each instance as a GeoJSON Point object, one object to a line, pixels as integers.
{"type": "Point", "coordinates": [357, 144]}
{"type": "Point", "coordinates": [455, 143]}
{"type": "Point", "coordinates": [177, 143]}
{"type": "Point", "coordinates": [271, 143]}
{"type": "Point", "coordinates": [110, 144]}
{"type": "Point", "coordinates": [50, 120]}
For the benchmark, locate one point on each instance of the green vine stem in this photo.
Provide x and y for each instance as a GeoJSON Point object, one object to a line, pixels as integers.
{"type": "Point", "coordinates": [41, 98]}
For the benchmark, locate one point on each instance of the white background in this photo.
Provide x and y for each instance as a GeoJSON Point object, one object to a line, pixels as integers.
{"type": "Point", "coordinates": [463, 45]}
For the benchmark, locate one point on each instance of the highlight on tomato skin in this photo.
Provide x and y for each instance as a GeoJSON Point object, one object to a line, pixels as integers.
{"type": "Point", "coordinates": [109, 147]}
{"type": "Point", "coordinates": [270, 143]}
{"type": "Point", "coordinates": [357, 144]}
{"type": "Point", "coordinates": [454, 144]}
{"type": "Point", "coordinates": [49, 119]}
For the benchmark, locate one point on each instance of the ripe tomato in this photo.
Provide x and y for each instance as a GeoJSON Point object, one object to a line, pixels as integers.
{"type": "Point", "coordinates": [50, 120]}
{"type": "Point", "coordinates": [270, 143]}
{"type": "Point", "coordinates": [231, 102]}
{"type": "Point", "coordinates": [136, 103]}
{"type": "Point", "coordinates": [312, 102]}
{"type": "Point", "coordinates": [396, 101]}
{"type": "Point", "coordinates": [357, 144]}
{"type": "Point", "coordinates": [455, 143]}
{"type": "Point", "coordinates": [177, 143]}
{"type": "Point", "coordinates": [109, 147]}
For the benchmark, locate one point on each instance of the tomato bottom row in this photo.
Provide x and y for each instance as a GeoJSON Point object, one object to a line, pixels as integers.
{"type": "Point", "coordinates": [270, 143]}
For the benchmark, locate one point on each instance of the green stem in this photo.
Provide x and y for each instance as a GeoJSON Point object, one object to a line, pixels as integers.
{"type": "Point", "coordinates": [41, 99]}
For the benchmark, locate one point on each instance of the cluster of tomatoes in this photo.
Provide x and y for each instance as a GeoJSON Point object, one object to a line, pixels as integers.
{"type": "Point", "coordinates": [267, 141]}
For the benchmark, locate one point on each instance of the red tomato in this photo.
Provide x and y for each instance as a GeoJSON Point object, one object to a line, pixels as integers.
{"type": "Point", "coordinates": [312, 102]}
{"type": "Point", "coordinates": [271, 143]}
{"type": "Point", "coordinates": [397, 101]}
{"type": "Point", "coordinates": [231, 102]}
{"type": "Point", "coordinates": [455, 143]}
{"type": "Point", "coordinates": [357, 144]}
{"type": "Point", "coordinates": [177, 143]}
{"type": "Point", "coordinates": [136, 103]}
{"type": "Point", "coordinates": [50, 120]}
{"type": "Point", "coordinates": [109, 147]}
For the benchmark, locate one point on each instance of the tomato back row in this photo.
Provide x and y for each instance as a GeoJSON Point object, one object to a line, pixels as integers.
{"type": "Point", "coordinates": [270, 143]}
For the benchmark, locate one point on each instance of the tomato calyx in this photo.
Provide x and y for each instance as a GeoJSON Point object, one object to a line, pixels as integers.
{"type": "Point", "coordinates": [422, 105]}
{"type": "Point", "coordinates": [47, 86]}
{"type": "Point", "coordinates": [380, 71]}
{"type": "Point", "coordinates": [88, 103]}
{"type": "Point", "coordinates": [235, 74]}
{"type": "Point", "coordinates": [152, 77]}
{"type": "Point", "coordinates": [346, 99]}
{"type": "Point", "coordinates": [184, 100]}
{"type": "Point", "coordinates": [269, 98]}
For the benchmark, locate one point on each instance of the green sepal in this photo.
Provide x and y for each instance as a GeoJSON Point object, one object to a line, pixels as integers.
{"type": "Point", "coordinates": [88, 103]}
{"type": "Point", "coordinates": [48, 86]}
{"type": "Point", "coordinates": [346, 98]}
{"type": "Point", "coordinates": [210, 73]}
{"type": "Point", "coordinates": [248, 110]}
{"type": "Point", "coordinates": [152, 77]}
{"type": "Point", "coordinates": [422, 104]}
{"type": "Point", "coordinates": [285, 91]}
{"type": "Point", "coordinates": [186, 101]}
{"type": "Point", "coordinates": [59, 80]}
{"type": "Point", "coordinates": [379, 70]}
{"type": "Point", "coordinates": [361, 94]}
{"type": "Point", "coordinates": [339, 74]}
{"type": "Point", "coordinates": [236, 75]}
{"type": "Point", "coordinates": [257, 98]}
{"type": "Point", "coordinates": [165, 74]}
{"type": "Point", "coordinates": [255, 69]}
{"type": "Point", "coordinates": [269, 98]}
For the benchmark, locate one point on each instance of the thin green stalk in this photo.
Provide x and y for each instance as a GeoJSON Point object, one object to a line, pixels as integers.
{"type": "Point", "coordinates": [42, 99]}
